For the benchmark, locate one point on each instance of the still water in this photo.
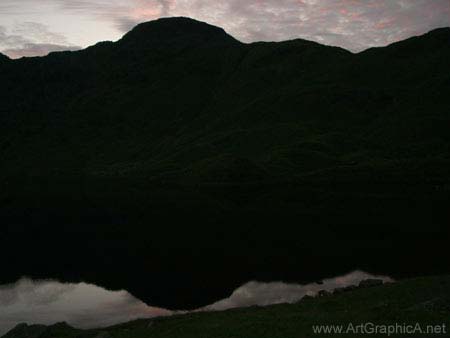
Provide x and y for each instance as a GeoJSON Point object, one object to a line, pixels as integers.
{"type": "Point", "coordinates": [88, 306]}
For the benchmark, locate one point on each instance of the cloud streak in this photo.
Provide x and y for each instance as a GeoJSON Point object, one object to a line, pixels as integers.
{"type": "Point", "coordinates": [31, 39]}
{"type": "Point", "coordinates": [37, 49]}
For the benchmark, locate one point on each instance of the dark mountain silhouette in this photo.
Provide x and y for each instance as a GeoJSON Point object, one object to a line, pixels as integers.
{"type": "Point", "coordinates": [3, 58]}
{"type": "Point", "coordinates": [175, 32]}
{"type": "Point", "coordinates": [179, 163]}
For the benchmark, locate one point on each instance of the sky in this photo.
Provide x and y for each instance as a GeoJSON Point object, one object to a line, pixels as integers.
{"type": "Point", "coordinates": [36, 27]}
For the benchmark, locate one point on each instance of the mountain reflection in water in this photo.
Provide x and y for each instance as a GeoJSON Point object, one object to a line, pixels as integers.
{"type": "Point", "coordinates": [88, 306]}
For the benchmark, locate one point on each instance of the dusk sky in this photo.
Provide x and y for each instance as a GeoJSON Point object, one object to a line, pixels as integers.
{"type": "Point", "coordinates": [35, 27]}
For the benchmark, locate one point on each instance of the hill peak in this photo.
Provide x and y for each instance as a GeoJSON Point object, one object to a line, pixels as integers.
{"type": "Point", "coordinates": [175, 31]}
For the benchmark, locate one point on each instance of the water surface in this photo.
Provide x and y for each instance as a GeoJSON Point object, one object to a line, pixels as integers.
{"type": "Point", "coordinates": [88, 306]}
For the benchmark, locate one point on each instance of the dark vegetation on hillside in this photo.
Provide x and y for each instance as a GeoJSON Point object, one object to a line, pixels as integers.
{"type": "Point", "coordinates": [179, 163]}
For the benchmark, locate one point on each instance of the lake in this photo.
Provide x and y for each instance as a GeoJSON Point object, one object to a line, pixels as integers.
{"type": "Point", "coordinates": [85, 306]}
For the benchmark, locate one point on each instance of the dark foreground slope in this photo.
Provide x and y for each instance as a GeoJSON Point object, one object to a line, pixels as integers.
{"type": "Point", "coordinates": [179, 163]}
{"type": "Point", "coordinates": [419, 304]}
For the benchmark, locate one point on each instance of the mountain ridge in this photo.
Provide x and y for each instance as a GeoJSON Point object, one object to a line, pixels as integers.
{"type": "Point", "coordinates": [158, 160]}
{"type": "Point", "coordinates": [436, 38]}
{"type": "Point", "coordinates": [183, 29]}
{"type": "Point", "coordinates": [4, 57]}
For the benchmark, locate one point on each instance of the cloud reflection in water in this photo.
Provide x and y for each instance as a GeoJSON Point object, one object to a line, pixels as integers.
{"type": "Point", "coordinates": [88, 306]}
